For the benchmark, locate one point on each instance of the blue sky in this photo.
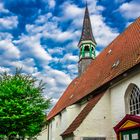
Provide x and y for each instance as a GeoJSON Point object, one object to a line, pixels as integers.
{"type": "Point", "coordinates": [41, 36]}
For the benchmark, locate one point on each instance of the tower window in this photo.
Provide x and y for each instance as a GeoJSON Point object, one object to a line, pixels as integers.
{"type": "Point", "coordinates": [86, 48]}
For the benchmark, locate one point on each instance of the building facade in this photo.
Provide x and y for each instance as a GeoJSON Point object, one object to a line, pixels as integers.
{"type": "Point", "coordinates": [103, 102]}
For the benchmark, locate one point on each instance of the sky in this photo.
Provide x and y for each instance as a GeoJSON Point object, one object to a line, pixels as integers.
{"type": "Point", "coordinates": [41, 36]}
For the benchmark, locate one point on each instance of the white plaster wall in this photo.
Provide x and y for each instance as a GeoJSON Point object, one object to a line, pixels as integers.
{"type": "Point", "coordinates": [117, 98]}
{"type": "Point", "coordinates": [72, 112]}
{"type": "Point", "coordinates": [112, 106]}
{"type": "Point", "coordinates": [98, 121]}
{"type": "Point", "coordinates": [58, 127]}
{"type": "Point", "coordinates": [43, 135]}
{"type": "Point", "coordinates": [50, 131]}
{"type": "Point", "coordinates": [103, 117]}
{"type": "Point", "coordinates": [61, 122]}
{"type": "Point", "coordinates": [53, 128]}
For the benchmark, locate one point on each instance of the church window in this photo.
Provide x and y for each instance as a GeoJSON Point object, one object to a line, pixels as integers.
{"type": "Point", "coordinates": [134, 101]}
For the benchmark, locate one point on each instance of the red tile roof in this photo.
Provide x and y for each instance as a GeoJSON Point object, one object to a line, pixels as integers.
{"type": "Point", "coordinates": [122, 54]}
{"type": "Point", "coordinates": [82, 115]}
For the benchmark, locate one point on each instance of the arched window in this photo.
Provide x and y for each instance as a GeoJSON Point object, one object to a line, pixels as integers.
{"type": "Point", "coordinates": [86, 48]}
{"type": "Point", "coordinates": [133, 99]}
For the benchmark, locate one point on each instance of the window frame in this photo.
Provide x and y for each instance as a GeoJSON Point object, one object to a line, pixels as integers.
{"type": "Point", "coordinates": [132, 105]}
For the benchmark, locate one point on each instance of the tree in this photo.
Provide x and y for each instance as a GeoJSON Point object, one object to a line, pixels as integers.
{"type": "Point", "coordinates": [22, 105]}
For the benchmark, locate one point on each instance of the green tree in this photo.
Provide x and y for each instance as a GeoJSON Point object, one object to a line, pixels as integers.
{"type": "Point", "coordinates": [22, 106]}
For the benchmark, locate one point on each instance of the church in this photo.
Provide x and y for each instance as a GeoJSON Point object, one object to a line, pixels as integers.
{"type": "Point", "coordinates": [103, 101]}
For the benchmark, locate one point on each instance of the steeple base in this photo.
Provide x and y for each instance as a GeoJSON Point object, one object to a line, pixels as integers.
{"type": "Point", "coordinates": [83, 64]}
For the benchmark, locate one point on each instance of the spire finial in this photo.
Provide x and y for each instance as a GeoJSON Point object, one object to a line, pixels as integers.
{"type": "Point", "coordinates": [86, 3]}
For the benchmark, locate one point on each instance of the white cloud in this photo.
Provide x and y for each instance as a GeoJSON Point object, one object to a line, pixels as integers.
{"type": "Point", "coordinates": [103, 34]}
{"type": "Point", "coordinates": [2, 9]}
{"type": "Point", "coordinates": [52, 3]}
{"type": "Point", "coordinates": [56, 50]}
{"type": "Point", "coordinates": [59, 35]}
{"type": "Point", "coordinates": [5, 36]}
{"type": "Point", "coordinates": [9, 51]}
{"type": "Point", "coordinates": [71, 11]}
{"type": "Point", "coordinates": [130, 9]}
{"type": "Point", "coordinates": [74, 12]}
{"type": "Point", "coordinates": [9, 22]}
{"type": "Point", "coordinates": [11, 56]}
{"type": "Point", "coordinates": [3, 69]}
{"type": "Point", "coordinates": [73, 70]}
{"type": "Point", "coordinates": [56, 81]}
{"type": "Point", "coordinates": [53, 32]}
{"type": "Point", "coordinates": [97, 52]}
{"type": "Point", "coordinates": [43, 18]}
{"type": "Point", "coordinates": [70, 58]}
{"type": "Point", "coordinates": [31, 47]}
{"type": "Point", "coordinates": [27, 65]}
{"type": "Point", "coordinates": [61, 78]}
{"type": "Point", "coordinates": [128, 23]}
{"type": "Point", "coordinates": [93, 7]}
{"type": "Point", "coordinates": [73, 46]}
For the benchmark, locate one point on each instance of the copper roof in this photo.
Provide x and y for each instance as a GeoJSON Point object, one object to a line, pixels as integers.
{"type": "Point", "coordinates": [87, 29]}
{"type": "Point", "coordinates": [122, 54]}
{"type": "Point", "coordinates": [82, 115]}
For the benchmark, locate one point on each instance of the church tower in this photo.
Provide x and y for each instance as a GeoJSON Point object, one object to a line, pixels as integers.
{"type": "Point", "coordinates": [86, 44]}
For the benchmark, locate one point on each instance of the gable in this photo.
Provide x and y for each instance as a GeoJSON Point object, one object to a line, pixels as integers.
{"type": "Point", "coordinates": [129, 123]}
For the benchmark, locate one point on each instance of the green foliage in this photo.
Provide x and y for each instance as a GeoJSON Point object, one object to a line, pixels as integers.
{"type": "Point", "coordinates": [22, 105]}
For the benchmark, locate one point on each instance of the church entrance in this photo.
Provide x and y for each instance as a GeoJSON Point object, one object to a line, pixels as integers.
{"type": "Point", "coordinates": [132, 134]}
{"type": "Point", "coordinates": [128, 128]}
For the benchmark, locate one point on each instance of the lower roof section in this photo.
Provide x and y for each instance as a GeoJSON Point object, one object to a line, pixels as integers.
{"type": "Point", "coordinates": [82, 115]}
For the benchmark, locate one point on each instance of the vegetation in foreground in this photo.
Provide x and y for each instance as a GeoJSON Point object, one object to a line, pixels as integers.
{"type": "Point", "coordinates": [22, 106]}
